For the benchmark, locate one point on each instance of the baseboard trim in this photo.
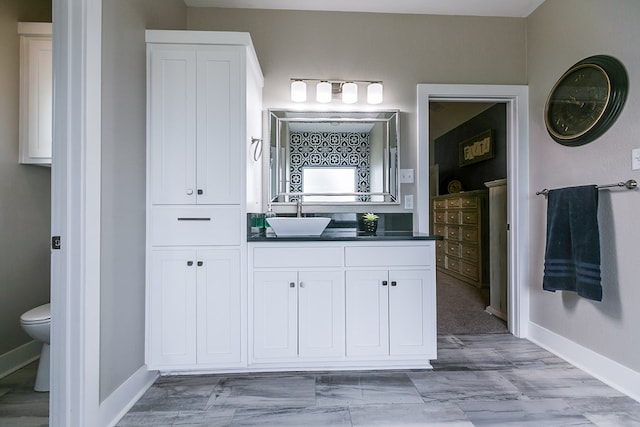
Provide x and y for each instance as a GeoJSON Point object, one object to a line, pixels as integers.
{"type": "Point", "coordinates": [19, 357]}
{"type": "Point", "coordinates": [114, 407]}
{"type": "Point", "coordinates": [612, 373]}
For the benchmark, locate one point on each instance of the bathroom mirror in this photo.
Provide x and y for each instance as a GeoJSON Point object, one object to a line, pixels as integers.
{"type": "Point", "coordinates": [334, 157]}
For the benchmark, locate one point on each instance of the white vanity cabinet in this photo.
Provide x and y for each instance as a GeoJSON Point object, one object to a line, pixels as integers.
{"type": "Point", "coordinates": [36, 93]}
{"type": "Point", "coordinates": [298, 314]}
{"type": "Point", "coordinates": [194, 307]}
{"type": "Point", "coordinates": [342, 304]}
{"type": "Point", "coordinates": [202, 91]}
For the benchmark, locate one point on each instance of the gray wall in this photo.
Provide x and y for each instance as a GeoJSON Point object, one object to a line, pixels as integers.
{"type": "Point", "coordinates": [560, 33]}
{"type": "Point", "coordinates": [122, 285]}
{"type": "Point", "coordinates": [401, 50]}
{"type": "Point", "coordinates": [25, 190]}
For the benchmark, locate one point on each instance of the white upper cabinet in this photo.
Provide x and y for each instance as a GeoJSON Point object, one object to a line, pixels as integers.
{"type": "Point", "coordinates": [195, 108]}
{"type": "Point", "coordinates": [36, 100]}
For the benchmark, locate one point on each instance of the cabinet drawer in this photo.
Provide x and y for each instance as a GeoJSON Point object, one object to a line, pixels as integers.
{"type": "Point", "coordinates": [469, 252]}
{"type": "Point", "coordinates": [470, 202]}
{"type": "Point", "coordinates": [439, 204]}
{"type": "Point", "coordinates": [452, 264]}
{"type": "Point", "coordinates": [439, 217]}
{"type": "Point", "coordinates": [440, 245]}
{"type": "Point", "coordinates": [376, 256]}
{"type": "Point", "coordinates": [453, 203]}
{"type": "Point", "coordinates": [195, 225]}
{"type": "Point", "coordinates": [453, 233]}
{"type": "Point", "coordinates": [439, 230]}
{"type": "Point", "coordinates": [296, 257]}
{"type": "Point", "coordinates": [469, 270]}
{"type": "Point", "coordinates": [469, 217]}
{"type": "Point", "coordinates": [453, 217]}
{"type": "Point", "coordinates": [453, 248]}
{"type": "Point", "coordinates": [469, 234]}
{"type": "Point", "coordinates": [440, 259]}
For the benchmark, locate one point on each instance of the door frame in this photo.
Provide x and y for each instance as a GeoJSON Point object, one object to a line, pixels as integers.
{"type": "Point", "coordinates": [516, 98]}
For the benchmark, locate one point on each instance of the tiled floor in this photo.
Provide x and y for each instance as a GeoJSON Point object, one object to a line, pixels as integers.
{"type": "Point", "coordinates": [478, 380]}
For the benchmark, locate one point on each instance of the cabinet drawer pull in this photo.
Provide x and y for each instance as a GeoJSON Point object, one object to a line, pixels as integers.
{"type": "Point", "coordinates": [292, 285]}
{"type": "Point", "coordinates": [200, 263]}
{"type": "Point", "coordinates": [189, 263]}
{"type": "Point", "coordinates": [193, 219]}
{"type": "Point", "coordinates": [384, 283]}
{"type": "Point", "coordinates": [393, 283]}
{"type": "Point", "coordinates": [189, 191]}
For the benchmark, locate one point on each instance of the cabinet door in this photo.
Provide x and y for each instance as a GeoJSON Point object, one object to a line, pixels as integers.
{"type": "Point", "coordinates": [321, 314]}
{"type": "Point", "coordinates": [218, 306]}
{"type": "Point", "coordinates": [36, 100]}
{"type": "Point", "coordinates": [367, 315]}
{"type": "Point", "coordinates": [275, 314]}
{"type": "Point", "coordinates": [412, 314]}
{"type": "Point", "coordinates": [219, 169]}
{"type": "Point", "coordinates": [172, 307]}
{"type": "Point", "coordinates": [172, 124]}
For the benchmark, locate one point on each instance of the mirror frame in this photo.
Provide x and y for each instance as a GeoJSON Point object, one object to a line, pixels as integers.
{"type": "Point", "coordinates": [281, 117]}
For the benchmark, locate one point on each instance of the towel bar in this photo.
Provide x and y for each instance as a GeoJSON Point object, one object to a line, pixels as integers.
{"type": "Point", "coordinates": [630, 185]}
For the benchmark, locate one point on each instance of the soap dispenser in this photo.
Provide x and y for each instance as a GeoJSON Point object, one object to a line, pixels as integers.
{"type": "Point", "coordinates": [270, 214]}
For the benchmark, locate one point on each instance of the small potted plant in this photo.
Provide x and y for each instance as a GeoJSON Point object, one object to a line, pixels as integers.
{"type": "Point", "coordinates": [370, 223]}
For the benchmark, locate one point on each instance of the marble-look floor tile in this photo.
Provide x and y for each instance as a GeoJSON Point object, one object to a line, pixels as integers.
{"type": "Point", "coordinates": [293, 417]}
{"type": "Point", "coordinates": [558, 382]}
{"type": "Point", "coordinates": [148, 419]}
{"type": "Point", "coordinates": [361, 389]}
{"type": "Point", "coordinates": [213, 418]}
{"type": "Point", "coordinates": [425, 415]}
{"type": "Point", "coordinates": [613, 420]}
{"type": "Point", "coordinates": [24, 422]}
{"type": "Point", "coordinates": [444, 386]}
{"type": "Point", "coordinates": [523, 413]}
{"type": "Point", "coordinates": [292, 391]}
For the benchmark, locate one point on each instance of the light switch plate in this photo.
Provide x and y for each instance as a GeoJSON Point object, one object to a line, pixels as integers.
{"type": "Point", "coordinates": [406, 176]}
{"type": "Point", "coordinates": [635, 159]}
{"type": "Point", "coordinates": [408, 201]}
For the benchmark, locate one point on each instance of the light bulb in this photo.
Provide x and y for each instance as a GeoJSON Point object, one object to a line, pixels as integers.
{"type": "Point", "coordinates": [298, 91]}
{"type": "Point", "coordinates": [323, 92]}
{"type": "Point", "coordinates": [349, 93]}
{"type": "Point", "coordinates": [374, 93]}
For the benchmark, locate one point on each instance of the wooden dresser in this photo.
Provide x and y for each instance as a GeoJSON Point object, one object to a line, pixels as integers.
{"type": "Point", "coordinates": [462, 220]}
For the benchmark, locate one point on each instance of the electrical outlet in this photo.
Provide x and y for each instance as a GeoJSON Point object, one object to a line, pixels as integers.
{"type": "Point", "coordinates": [406, 176]}
{"type": "Point", "coordinates": [408, 201]}
{"type": "Point", "coordinates": [635, 159]}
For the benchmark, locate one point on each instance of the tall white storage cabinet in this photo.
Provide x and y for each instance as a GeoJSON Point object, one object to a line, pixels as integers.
{"type": "Point", "coordinates": [203, 111]}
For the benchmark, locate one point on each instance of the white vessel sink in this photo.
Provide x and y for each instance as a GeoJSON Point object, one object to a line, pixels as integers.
{"type": "Point", "coordinates": [290, 226]}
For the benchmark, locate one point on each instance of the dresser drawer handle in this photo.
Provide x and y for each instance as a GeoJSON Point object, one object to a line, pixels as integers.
{"type": "Point", "coordinates": [194, 219]}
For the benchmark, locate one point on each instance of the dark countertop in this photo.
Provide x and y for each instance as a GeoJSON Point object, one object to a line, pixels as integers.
{"type": "Point", "coordinates": [343, 234]}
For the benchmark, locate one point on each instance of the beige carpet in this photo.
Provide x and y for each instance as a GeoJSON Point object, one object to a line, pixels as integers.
{"type": "Point", "coordinates": [461, 309]}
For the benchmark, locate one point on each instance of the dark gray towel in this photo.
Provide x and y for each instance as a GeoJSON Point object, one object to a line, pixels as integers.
{"type": "Point", "coordinates": [572, 256]}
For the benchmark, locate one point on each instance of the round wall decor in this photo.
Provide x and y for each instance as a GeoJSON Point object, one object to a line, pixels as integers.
{"type": "Point", "coordinates": [586, 100]}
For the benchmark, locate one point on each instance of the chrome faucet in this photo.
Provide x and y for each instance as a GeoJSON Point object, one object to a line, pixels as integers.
{"type": "Point", "coordinates": [299, 207]}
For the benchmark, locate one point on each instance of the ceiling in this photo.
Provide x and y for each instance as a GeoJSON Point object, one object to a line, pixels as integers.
{"type": "Point", "coordinates": [505, 8]}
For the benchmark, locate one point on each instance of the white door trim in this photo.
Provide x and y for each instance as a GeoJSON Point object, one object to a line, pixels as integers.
{"type": "Point", "coordinates": [517, 100]}
{"type": "Point", "coordinates": [75, 213]}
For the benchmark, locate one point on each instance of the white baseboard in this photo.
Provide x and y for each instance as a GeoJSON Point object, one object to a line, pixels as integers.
{"type": "Point", "coordinates": [114, 407]}
{"type": "Point", "coordinates": [21, 356]}
{"type": "Point", "coordinates": [610, 372]}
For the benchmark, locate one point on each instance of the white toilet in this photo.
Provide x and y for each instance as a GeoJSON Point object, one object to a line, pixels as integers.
{"type": "Point", "coordinates": [37, 323]}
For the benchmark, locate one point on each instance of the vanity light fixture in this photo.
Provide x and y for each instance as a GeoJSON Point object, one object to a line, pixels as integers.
{"type": "Point", "coordinates": [324, 92]}
{"type": "Point", "coordinates": [298, 91]}
{"type": "Point", "coordinates": [327, 89]}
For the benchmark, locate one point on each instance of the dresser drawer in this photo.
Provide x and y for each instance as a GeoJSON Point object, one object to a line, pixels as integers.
{"type": "Point", "coordinates": [453, 248]}
{"type": "Point", "coordinates": [439, 217]}
{"type": "Point", "coordinates": [453, 233]}
{"type": "Point", "coordinates": [439, 230]}
{"type": "Point", "coordinates": [453, 203]}
{"type": "Point", "coordinates": [469, 202]}
{"type": "Point", "coordinates": [469, 234]}
{"type": "Point", "coordinates": [452, 264]}
{"type": "Point", "coordinates": [469, 217]}
{"type": "Point", "coordinates": [195, 225]}
{"type": "Point", "coordinates": [469, 251]}
{"type": "Point", "coordinates": [440, 259]}
{"type": "Point", "coordinates": [469, 270]}
{"type": "Point", "coordinates": [297, 257]}
{"type": "Point", "coordinates": [453, 217]}
{"type": "Point", "coordinates": [376, 256]}
{"type": "Point", "coordinates": [439, 204]}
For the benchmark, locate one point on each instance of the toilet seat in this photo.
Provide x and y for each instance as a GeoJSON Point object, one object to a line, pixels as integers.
{"type": "Point", "coordinates": [40, 314]}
